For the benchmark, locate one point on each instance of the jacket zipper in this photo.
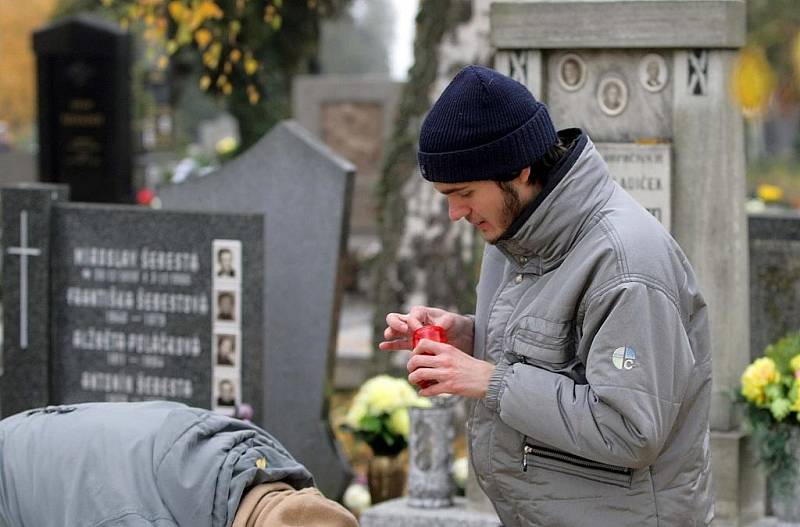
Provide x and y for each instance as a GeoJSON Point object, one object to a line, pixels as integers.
{"type": "Point", "coordinates": [568, 458]}
{"type": "Point", "coordinates": [525, 451]}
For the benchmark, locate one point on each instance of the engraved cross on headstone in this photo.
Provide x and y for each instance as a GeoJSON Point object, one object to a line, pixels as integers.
{"type": "Point", "coordinates": [698, 72]}
{"type": "Point", "coordinates": [23, 251]}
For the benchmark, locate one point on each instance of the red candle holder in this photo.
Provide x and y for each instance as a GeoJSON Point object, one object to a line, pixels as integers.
{"type": "Point", "coordinates": [434, 333]}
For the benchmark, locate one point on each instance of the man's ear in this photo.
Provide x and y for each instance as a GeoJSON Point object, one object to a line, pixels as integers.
{"type": "Point", "coordinates": [523, 176]}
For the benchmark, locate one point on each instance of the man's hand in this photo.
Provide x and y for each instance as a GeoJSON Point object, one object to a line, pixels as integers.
{"type": "Point", "coordinates": [400, 328]}
{"type": "Point", "coordinates": [442, 368]}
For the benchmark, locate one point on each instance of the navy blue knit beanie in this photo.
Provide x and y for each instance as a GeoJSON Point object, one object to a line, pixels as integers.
{"type": "Point", "coordinates": [484, 126]}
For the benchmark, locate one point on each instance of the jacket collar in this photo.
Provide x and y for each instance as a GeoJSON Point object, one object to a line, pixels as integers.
{"type": "Point", "coordinates": [546, 231]}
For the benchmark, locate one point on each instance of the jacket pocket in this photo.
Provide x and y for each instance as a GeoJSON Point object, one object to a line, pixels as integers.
{"type": "Point", "coordinates": [536, 456]}
{"type": "Point", "coordinates": [541, 341]}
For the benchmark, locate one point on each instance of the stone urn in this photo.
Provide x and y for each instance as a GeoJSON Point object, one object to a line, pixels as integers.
{"type": "Point", "coordinates": [430, 451]}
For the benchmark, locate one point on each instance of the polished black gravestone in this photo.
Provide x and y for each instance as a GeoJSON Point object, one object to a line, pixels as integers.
{"type": "Point", "coordinates": [303, 189]}
{"type": "Point", "coordinates": [774, 278]}
{"type": "Point", "coordinates": [120, 303]}
{"type": "Point", "coordinates": [84, 98]}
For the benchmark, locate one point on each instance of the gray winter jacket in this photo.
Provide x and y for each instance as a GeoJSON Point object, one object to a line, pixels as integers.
{"type": "Point", "coordinates": [597, 412]}
{"type": "Point", "coordinates": [154, 464]}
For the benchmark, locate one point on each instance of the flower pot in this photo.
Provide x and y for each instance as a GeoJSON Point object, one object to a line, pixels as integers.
{"type": "Point", "coordinates": [386, 477]}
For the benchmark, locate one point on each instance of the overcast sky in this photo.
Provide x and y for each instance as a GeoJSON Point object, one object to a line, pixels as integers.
{"type": "Point", "coordinates": [402, 50]}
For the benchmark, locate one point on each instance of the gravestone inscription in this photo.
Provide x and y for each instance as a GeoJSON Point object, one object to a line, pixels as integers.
{"type": "Point", "coordinates": [84, 93]}
{"type": "Point", "coordinates": [118, 303]}
{"type": "Point", "coordinates": [644, 172]}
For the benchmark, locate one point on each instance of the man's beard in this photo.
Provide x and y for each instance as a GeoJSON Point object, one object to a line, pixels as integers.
{"type": "Point", "coordinates": [512, 208]}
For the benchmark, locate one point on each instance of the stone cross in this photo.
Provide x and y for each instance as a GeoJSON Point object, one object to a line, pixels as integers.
{"type": "Point", "coordinates": [24, 252]}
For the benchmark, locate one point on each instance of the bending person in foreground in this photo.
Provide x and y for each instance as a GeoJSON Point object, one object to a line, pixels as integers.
{"type": "Point", "coordinates": [154, 464]}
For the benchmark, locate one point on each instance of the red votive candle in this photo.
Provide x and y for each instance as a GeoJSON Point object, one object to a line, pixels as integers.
{"type": "Point", "coordinates": [434, 333]}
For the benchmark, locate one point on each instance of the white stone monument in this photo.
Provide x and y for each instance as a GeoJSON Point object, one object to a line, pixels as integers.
{"type": "Point", "coordinates": [648, 80]}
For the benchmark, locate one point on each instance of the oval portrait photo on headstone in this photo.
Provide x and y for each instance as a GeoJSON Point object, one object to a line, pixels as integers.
{"type": "Point", "coordinates": [571, 72]}
{"type": "Point", "coordinates": [612, 95]}
{"type": "Point", "coordinates": [653, 72]}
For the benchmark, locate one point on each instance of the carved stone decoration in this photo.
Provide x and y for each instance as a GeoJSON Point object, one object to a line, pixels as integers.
{"type": "Point", "coordinates": [698, 72]}
{"type": "Point", "coordinates": [430, 479]}
{"type": "Point", "coordinates": [571, 72]}
{"type": "Point", "coordinates": [653, 72]}
{"type": "Point", "coordinates": [612, 95]}
{"type": "Point", "coordinates": [524, 66]}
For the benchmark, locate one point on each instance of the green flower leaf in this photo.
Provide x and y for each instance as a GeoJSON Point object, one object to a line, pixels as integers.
{"type": "Point", "coordinates": [370, 423]}
{"type": "Point", "coordinates": [780, 408]}
{"type": "Point", "coordinates": [774, 391]}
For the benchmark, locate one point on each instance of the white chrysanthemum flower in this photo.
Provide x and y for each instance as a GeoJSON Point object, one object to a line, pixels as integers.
{"type": "Point", "coordinates": [460, 471]}
{"type": "Point", "coordinates": [357, 498]}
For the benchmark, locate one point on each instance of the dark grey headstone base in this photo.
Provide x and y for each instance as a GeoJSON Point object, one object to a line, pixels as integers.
{"type": "Point", "coordinates": [397, 513]}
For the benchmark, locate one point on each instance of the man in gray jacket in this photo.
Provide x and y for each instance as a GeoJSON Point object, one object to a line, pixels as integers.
{"type": "Point", "coordinates": [588, 361]}
{"type": "Point", "coordinates": [155, 464]}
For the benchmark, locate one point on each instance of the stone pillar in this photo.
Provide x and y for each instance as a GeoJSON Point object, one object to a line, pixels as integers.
{"type": "Point", "coordinates": [670, 63]}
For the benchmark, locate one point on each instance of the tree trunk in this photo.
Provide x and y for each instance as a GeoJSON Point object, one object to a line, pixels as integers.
{"type": "Point", "coordinates": [425, 259]}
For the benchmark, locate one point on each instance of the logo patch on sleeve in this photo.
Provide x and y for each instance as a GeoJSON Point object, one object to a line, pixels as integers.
{"type": "Point", "coordinates": [624, 358]}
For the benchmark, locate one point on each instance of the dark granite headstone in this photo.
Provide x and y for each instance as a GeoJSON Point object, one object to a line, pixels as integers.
{"type": "Point", "coordinates": [774, 278]}
{"type": "Point", "coordinates": [84, 99]}
{"type": "Point", "coordinates": [119, 303]}
{"type": "Point", "coordinates": [27, 215]}
{"type": "Point", "coordinates": [303, 189]}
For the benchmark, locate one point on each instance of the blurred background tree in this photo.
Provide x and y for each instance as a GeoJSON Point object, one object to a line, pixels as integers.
{"type": "Point", "coordinates": [766, 83]}
{"type": "Point", "coordinates": [426, 258]}
{"type": "Point", "coordinates": [774, 25]}
{"type": "Point", "coordinates": [243, 52]}
{"type": "Point", "coordinates": [18, 63]}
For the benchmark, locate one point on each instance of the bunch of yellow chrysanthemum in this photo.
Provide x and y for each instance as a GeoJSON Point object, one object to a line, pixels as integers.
{"type": "Point", "coordinates": [756, 377]}
{"type": "Point", "coordinates": [770, 398]}
{"type": "Point", "coordinates": [773, 382]}
{"type": "Point", "coordinates": [378, 414]}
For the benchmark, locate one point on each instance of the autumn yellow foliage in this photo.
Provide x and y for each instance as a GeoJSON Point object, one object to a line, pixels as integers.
{"type": "Point", "coordinates": [170, 25]}
{"type": "Point", "coordinates": [18, 20]}
{"type": "Point", "coordinates": [752, 81]}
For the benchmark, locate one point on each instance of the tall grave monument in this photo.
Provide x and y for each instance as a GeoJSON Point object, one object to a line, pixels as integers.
{"type": "Point", "coordinates": [648, 80]}
{"type": "Point", "coordinates": [84, 99]}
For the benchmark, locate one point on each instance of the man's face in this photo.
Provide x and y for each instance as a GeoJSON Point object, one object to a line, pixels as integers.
{"type": "Point", "coordinates": [225, 260]}
{"type": "Point", "coordinates": [490, 207]}
{"type": "Point", "coordinates": [571, 72]}
{"type": "Point", "coordinates": [226, 391]}
{"type": "Point", "coordinates": [612, 95]}
{"type": "Point", "coordinates": [226, 347]}
{"type": "Point", "coordinates": [226, 304]}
